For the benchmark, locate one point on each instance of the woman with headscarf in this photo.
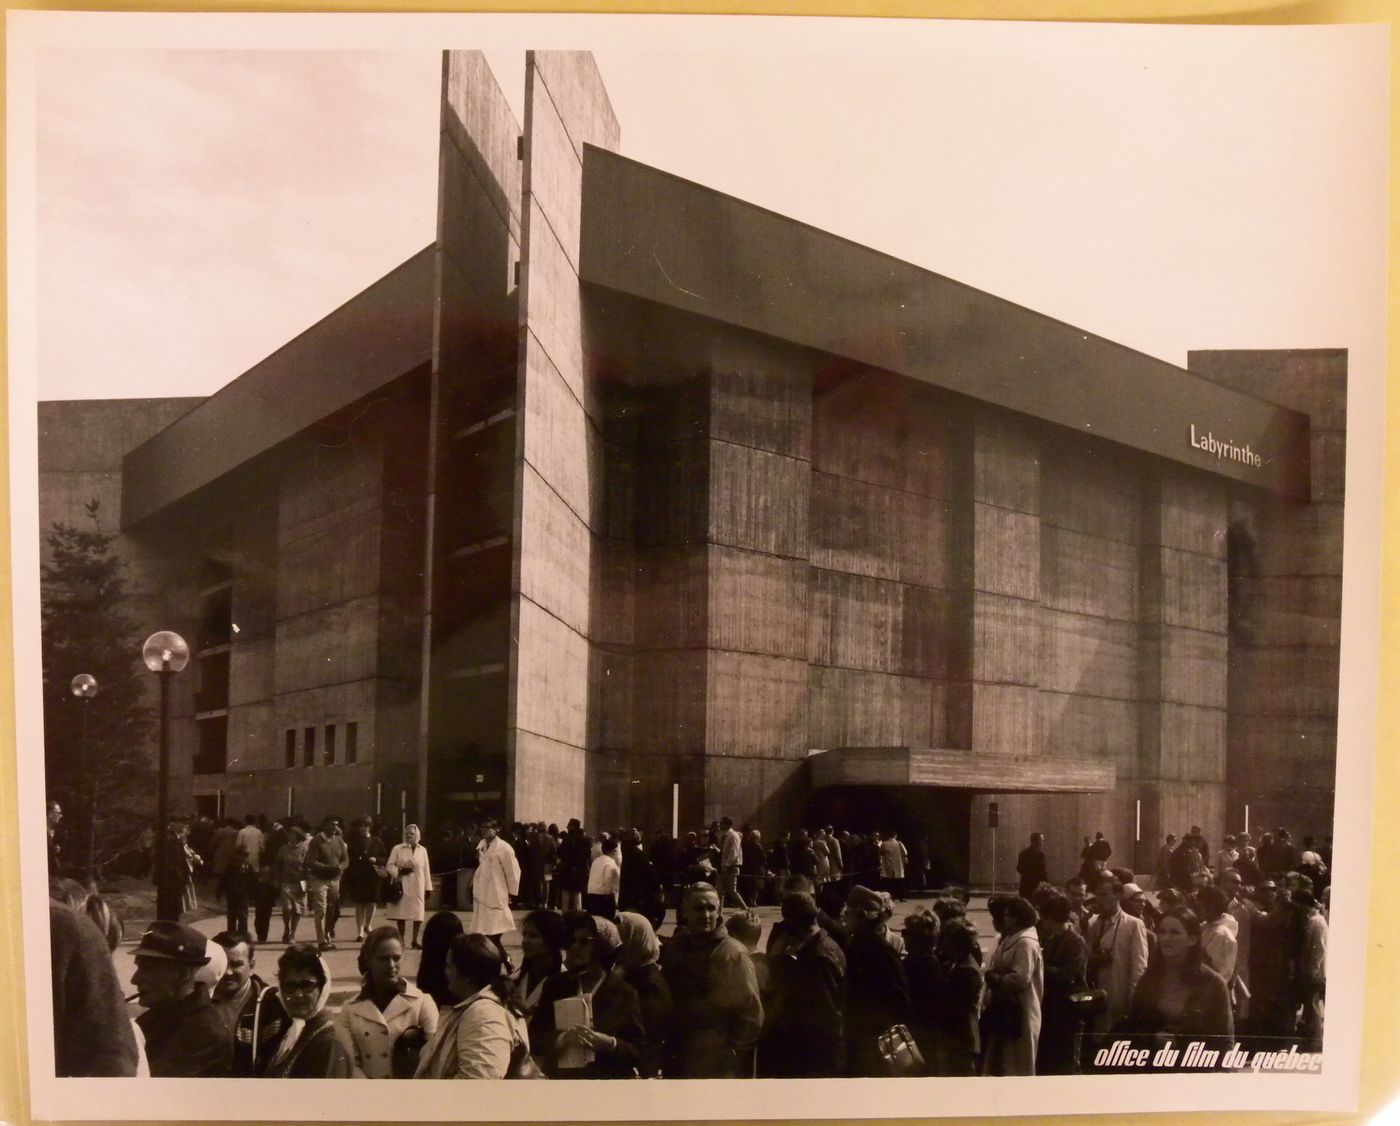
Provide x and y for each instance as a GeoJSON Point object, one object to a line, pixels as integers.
{"type": "Point", "coordinates": [389, 1021]}
{"type": "Point", "coordinates": [408, 862]}
{"type": "Point", "coordinates": [877, 990]}
{"type": "Point", "coordinates": [589, 1024]}
{"type": "Point", "coordinates": [1015, 978]}
{"type": "Point", "coordinates": [543, 938]}
{"type": "Point", "coordinates": [639, 962]}
{"type": "Point", "coordinates": [311, 1047]}
{"type": "Point", "coordinates": [438, 933]}
{"type": "Point", "coordinates": [480, 1034]}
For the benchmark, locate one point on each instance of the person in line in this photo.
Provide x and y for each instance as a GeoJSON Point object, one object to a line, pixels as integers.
{"type": "Point", "coordinates": [1030, 866]}
{"type": "Point", "coordinates": [366, 855]}
{"type": "Point", "coordinates": [1015, 978]}
{"type": "Point", "coordinates": [408, 862]}
{"type": "Point", "coordinates": [877, 989]}
{"type": "Point", "coordinates": [1312, 969]}
{"type": "Point", "coordinates": [389, 1021]}
{"type": "Point", "coordinates": [544, 936]}
{"type": "Point", "coordinates": [289, 873]}
{"type": "Point", "coordinates": [588, 1024]}
{"type": "Point", "coordinates": [326, 861]}
{"type": "Point", "coordinates": [639, 962]}
{"type": "Point", "coordinates": [571, 869]}
{"type": "Point", "coordinates": [91, 1033]}
{"type": "Point", "coordinates": [1179, 996]}
{"type": "Point", "coordinates": [497, 879]}
{"type": "Point", "coordinates": [184, 1036]}
{"type": "Point", "coordinates": [716, 1011]}
{"type": "Point", "coordinates": [1117, 945]}
{"type": "Point", "coordinates": [604, 881]}
{"type": "Point", "coordinates": [894, 858]}
{"type": "Point", "coordinates": [746, 929]}
{"type": "Point", "coordinates": [1066, 959]}
{"type": "Point", "coordinates": [803, 1030]}
{"type": "Point", "coordinates": [927, 978]}
{"type": "Point", "coordinates": [311, 1046]}
{"type": "Point", "coordinates": [731, 862]}
{"type": "Point", "coordinates": [958, 1043]}
{"type": "Point", "coordinates": [241, 998]}
{"type": "Point", "coordinates": [481, 1033]}
{"type": "Point", "coordinates": [438, 933]}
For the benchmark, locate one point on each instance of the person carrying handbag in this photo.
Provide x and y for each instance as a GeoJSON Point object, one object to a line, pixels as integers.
{"type": "Point", "coordinates": [390, 1020]}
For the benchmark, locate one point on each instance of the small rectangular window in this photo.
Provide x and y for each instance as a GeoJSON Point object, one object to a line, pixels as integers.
{"type": "Point", "coordinates": [352, 741]}
{"type": "Point", "coordinates": [308, 752]}
{"type": "Point", "coordinates": [330, 744]}
{"type": "Point", "coordinates": [291, 746]}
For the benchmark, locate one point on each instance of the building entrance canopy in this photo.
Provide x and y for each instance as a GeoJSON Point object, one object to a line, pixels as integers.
{"type": "Point", "coordinates": [958, 769]}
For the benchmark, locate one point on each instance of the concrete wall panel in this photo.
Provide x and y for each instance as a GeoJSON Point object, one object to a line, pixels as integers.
{"type": "Point", "coordinates": [671, 597]}
{"type": "Point", "coordinates": [1194, 590]}
{"type": "Point", "coordinates": [557, 435]}
{"type": "Point", "coordinates": [555, 316]}
{"type": "Point", "coordinates": [758, 500]}
{"type": "Point", "coordinates": [549, 780]}
{"type": "Point", "coordinates": [330, 646]}
{"type": "Point", "coordinates": [669, 702]}
{"type": "Point", "coordinates": [1087, 574]}
{"type": "Point", "coordinates": [853, 708]}
{"type": "Point", "coordinates": [759, 397]}
{"type": "Point", "coordinates": [933, 640]}
{"type": "Point", "coordinates": [552, 668]}
{"type": "Point", "coordinates": [555, 550]}
{"type": "Point", "coordinates": [856, 622]}
{"type": "Point", "coordinates": [1281, 681]}
{"type": "Point", "coordinates": [1191, 516]}
{"type": "Point", "coordinates": [757, 603]}
{"type": "Point", "coordinates": [1005, 639]}
{"type": "Point", "coordinates": [251, 672]}
{"type": "Point", "coordinates": [1005, 719]}
{"type": "Point", "coordinates": [1090, 490]}
{"type": "Point", "coordinates": [855, 526]}
{"type": "Point", "coordinates": [1194, 667]}
{"type": "Point", "coordinates": [1086, 655]}
{"type": "Point", "coordinates": [756, 706]}
{"type": "Point", "coordinates": [576, 87]}
{"type": "Point", "coordinates": [1193, 743]}
{"type": "Point", "coordinates": [335, 563]}
{"type": "Point", "coordinates": [1006, 550]}
{"type": "Point", "coordinates": [1093, 726]}
{"type": "Point", "coordinates": [1006, 463]}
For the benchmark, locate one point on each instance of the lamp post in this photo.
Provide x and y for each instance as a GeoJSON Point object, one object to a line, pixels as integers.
{"type": "Point", "coordinates": [165, 654]}
{"type": "Point", "coordinates": [84, 687]}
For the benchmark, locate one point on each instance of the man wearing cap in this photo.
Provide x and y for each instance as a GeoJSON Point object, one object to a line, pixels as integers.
{"type": "Point", "coordinates": [185, 1036]}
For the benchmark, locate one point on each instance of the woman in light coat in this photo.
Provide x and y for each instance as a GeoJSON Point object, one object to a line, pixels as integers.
{"type": "Point", "coordinates": [1015, 976]}
{"type": "Point", "coordinates": [387, 1013]}
{"type": "Point", "coordinates": [409, 862]}
{"type": "Point", "coordinates": [477, 1036]}
{"type": "Point", "coordinates": [497, 879]}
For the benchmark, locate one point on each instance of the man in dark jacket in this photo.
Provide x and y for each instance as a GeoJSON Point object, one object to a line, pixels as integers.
{"type": "Point", "coordinates": [248, 1006]}
{"type": "Point", "coordinates": [91, 1032]}
{"type": "Point", "coordinates": [1030, 866]}
{"type": "Point", "coordinates": [716, 1012]}
{"type": "Point", "coordinates": [185, 1036]}
{"type": "Point", "coordinates": [802, 1030]}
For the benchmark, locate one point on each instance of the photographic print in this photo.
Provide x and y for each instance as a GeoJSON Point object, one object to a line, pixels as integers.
{"type": "Point", "coordinates": [658, 549]}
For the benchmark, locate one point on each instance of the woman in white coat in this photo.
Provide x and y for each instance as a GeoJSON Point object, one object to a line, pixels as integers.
{"type": "Point", "coordinates": [497, 879]}
{"type": "Point", "coordinates": [388, 1023]}
{"type": "Point", "coordinates": [1015, 980]}
{"type": "Point", "coordinates": [409, 862]}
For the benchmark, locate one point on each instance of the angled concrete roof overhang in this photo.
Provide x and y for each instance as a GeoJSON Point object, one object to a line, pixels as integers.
{"type": "Point", "coordinates": [960, 770]}
{"type": "Point", "coordinates": [380, 334]}
{"type": "Point", "coordinates": [663, 239]}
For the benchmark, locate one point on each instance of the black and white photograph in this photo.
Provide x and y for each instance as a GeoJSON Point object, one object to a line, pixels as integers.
{"type": "Point", "coordinates": [693, 548]}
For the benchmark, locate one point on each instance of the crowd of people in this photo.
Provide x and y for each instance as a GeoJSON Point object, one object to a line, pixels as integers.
{"type": "Point", "coordinates": [1223, 949]}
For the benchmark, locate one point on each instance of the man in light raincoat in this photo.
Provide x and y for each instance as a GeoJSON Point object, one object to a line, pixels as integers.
{"type": "Point", "coordinates": [497, 879]}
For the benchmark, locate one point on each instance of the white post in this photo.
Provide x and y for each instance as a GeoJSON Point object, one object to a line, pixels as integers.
{"type": "Point", "coordinates": [675, 810]}
{"type": "Point", "coordinates": [378, 798]}
{"type": "Point", "coordinates": [1137, 832]}
{"type": "Point", "coordinates": [289, 801]}
{"type": "Point", "coordinates": [1246, 817]}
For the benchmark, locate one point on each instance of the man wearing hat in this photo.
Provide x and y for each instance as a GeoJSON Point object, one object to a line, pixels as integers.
{"type": "Point", "coordinates": [185, 1037]}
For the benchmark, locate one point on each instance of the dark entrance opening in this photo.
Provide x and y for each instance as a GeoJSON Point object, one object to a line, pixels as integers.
{"type": "Point", "coordinates": [942, 818]}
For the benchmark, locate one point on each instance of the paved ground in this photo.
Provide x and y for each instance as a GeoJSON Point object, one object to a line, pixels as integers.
{"type": "Point", "coordinates": [347, 979]}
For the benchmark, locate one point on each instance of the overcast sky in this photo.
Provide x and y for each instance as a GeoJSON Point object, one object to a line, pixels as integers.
{"type": "Point", "coordinates": [1169, 188]}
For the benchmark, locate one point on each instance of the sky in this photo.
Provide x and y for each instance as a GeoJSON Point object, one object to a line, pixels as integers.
{"type": "Point", "coordinates": [198, 205]}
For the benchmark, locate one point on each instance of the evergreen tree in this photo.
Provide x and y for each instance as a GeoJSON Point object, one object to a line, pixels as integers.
{"type": "Point", "coordinates": [103, 759]}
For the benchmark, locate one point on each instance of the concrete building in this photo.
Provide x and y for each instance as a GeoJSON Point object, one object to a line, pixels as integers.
{"type": "Point", "coordinates": [625, 492]}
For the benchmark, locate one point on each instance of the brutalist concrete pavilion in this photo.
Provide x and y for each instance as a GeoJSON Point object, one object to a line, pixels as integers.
{"type": "Point", "coordinates": [626, 492]}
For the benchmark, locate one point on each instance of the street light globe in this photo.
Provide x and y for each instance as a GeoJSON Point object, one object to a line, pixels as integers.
{"type": "Point", "coordinates": [84, 686]}
{"type": "Point", "coordinates": [165, 652]}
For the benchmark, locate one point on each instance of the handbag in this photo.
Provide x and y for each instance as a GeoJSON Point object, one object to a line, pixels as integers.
{"type": "Point", "coordinates": [522, 1063]}
{"type": "Point", "coordinates": [899, 1055]}
{"type": "Point", "coordinates": [1002, 1017]}
{"type": "Point", "coordinates": [392, 889]}
{"type": "Point", "coordinates": [1086, 1004]}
